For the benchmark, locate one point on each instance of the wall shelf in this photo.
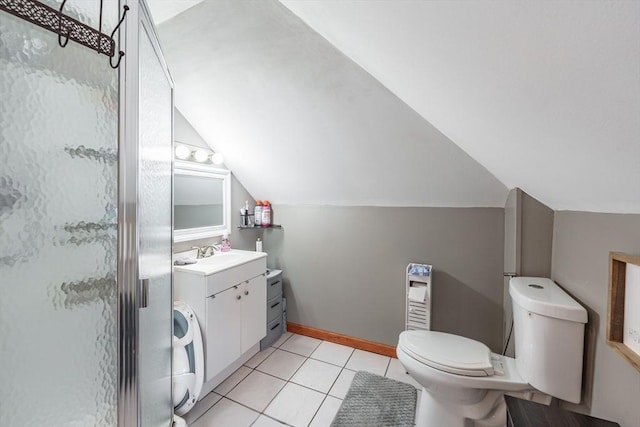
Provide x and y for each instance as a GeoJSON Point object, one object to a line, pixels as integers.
{"type": "Point", "coordinates": [259, 227]}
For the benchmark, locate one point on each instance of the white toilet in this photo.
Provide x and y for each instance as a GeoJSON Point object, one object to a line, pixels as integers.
{"type": "Point", "coordinates": [464, 382]}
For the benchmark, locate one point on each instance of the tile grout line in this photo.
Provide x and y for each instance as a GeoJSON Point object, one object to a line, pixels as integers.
{"type": "Point", "coordinates": [281, 379]}
{"type": "Point", "coordinates": [225, 396]}
{"type": "Point", "coordinates": [289, 381]}
{"type": "Point", "coordinates": [233, 388]}
{"type": "Point", "coordinates": [318, 410]}
{"type": "Point", "coordinates": [326, 395]}
{"type": "Point", "coordinates": [387, 368]}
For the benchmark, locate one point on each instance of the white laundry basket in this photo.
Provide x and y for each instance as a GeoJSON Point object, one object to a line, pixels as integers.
{"type": "Point", "coordinates": [188, 359]}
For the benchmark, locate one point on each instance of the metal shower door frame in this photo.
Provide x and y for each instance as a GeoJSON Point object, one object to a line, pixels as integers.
{"type": "Point", "coordinates": [129, 284]}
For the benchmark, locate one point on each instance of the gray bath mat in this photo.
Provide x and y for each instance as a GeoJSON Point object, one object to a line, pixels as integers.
{"type": "Point", "coordinates": [373, 400]}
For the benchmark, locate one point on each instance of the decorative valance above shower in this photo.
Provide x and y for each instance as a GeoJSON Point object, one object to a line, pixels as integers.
{"type": "Point", "coordinates": [66, 27]}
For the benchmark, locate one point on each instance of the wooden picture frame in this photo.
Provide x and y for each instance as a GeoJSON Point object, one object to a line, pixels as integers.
{"type": "Point", "coordinates": [616, 305]}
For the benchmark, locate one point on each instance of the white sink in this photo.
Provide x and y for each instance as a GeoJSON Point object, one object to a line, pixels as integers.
{"type": "Point", "coordinates": [220, 261]}
{"type": "Point", "coordinates": [223, 258]}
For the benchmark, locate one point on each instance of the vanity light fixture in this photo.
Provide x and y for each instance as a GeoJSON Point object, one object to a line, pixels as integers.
{"type": "Point", "coordinates": [200, 156]}
{"type": "Point", "coordinates": [217, 159]}
{"type": "Point", "coordinates": [182, 152]}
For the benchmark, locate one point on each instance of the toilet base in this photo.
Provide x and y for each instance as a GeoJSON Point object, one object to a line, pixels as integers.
{"type": "Point", "coordinates": [489, 412]}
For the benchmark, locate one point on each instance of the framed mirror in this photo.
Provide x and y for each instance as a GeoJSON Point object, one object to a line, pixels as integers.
{"type": "Point", "coordinates": [201, 201]}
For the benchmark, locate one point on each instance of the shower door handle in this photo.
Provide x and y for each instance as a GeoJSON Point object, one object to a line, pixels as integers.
{"type": "Point", "coordinates": [144, 293]}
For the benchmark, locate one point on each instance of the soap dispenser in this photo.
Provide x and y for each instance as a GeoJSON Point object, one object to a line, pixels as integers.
{"type": "Point", "coordinates": [266, 214]}
{"type": "Point", "coordinates": [226, 243]}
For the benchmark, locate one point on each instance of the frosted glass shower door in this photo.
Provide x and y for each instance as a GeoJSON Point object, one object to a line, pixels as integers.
{"type": "Point", "coordinates": [58, 241]}
{"type": "Point", "coordinates": [155, 227]}
{"type": "Point", "coordinates": [145, 227]}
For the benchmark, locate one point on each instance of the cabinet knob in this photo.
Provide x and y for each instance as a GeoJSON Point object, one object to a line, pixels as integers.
{"type": "Point", "coordinates": [246, 292]}
{"type": "Point", "coordinates": [238, 297]}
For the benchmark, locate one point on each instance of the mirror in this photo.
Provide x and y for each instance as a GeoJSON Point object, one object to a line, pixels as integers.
{"type": "Point", "coordinates": [201, 201]}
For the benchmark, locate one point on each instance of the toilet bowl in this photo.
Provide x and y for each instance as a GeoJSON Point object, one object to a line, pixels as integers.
{"type": "Point", "coordinates": [461, 378]}
{"type": "Point", "coordinates": [463, 382]}
{"type": "Point", "coordinates": [188, 359]}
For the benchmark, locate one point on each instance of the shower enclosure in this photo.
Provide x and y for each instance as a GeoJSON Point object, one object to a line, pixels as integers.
{"type": "Point", "coordinates": [85, 225]}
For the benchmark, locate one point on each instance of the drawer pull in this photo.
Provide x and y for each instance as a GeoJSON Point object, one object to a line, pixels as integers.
{"type": "Point", "coordinates": [275, 305]}
{"type": "Point", "coordinates": [274, 283]}
{"type": "Point", "coordinates": [275, 326]}
{"type": "Point", "coordinates": [246, 292]}
{"type": "Point", "coordinates": [238, 297]}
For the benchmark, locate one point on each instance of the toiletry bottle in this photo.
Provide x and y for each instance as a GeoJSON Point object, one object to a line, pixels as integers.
{"type": "Point", "coordinates": [258, 245]}
{"type": "Point", "coordinates": [245, 217]}
{"type": "Point", "coordinates": [257, 214]}
{"type": "Point", "coordinates": [226, 243]}
{"type": "Point", "coordinates": [266, 214]}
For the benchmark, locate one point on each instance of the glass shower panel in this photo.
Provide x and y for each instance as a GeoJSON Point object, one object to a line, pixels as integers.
{"type": "Point", "coordinates": [155, 225]}
{"type": "Point", "coordinates": [58, 198]}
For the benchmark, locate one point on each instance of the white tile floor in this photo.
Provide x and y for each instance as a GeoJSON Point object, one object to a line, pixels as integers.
{"type": "Point", "coordinates": [299, 382]}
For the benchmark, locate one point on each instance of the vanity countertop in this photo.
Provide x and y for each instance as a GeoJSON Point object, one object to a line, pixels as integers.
{"type": "Point", "coordinates": [220, 261]}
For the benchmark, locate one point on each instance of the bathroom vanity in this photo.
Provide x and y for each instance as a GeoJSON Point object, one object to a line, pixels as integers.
{"type": "Point", "coordinates": [228, 293]}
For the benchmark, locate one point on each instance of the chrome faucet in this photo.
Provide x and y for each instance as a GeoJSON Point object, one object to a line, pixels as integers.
{"type": "Point", "coordinates": [205, 250]}
{"type": "Point", "coordinates": [200, 253]}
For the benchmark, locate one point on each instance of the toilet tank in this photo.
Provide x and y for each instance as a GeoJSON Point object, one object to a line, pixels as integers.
{"type": "Point", "coordinates": [549, 334]}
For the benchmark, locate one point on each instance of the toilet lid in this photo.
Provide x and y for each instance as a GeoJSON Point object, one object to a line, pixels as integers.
{"type": "Point", "coordinates": [448, 353]}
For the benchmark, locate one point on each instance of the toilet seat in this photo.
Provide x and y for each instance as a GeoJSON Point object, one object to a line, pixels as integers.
{"type": "Point", "coordinates": [447, 352]}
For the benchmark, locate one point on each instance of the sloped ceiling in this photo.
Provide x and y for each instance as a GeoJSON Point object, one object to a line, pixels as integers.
{"type": "Point", "coordinates": [300, 123]}
{"type": "Point", "coordinates": [545, 95]}
{"type": "Point", "coordinates": [162, 10]}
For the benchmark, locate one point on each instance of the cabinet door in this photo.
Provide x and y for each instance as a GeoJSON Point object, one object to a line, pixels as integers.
{"type": "Point", "coordinates": [254, 311]}
{"type": "Point", "coordinates": [223, 331]}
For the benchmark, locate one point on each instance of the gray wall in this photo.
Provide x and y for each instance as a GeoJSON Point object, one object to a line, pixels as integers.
{"type": "Point", "coordinates": [185, 133]}
{"type": "Point", "coordinates": [240, 239]}
{"type": "Point", "coordinates": [537, 238]}
{"type": "Point", "coordinates": [528, 237]}
{"type": "Point", "coordinates": [282, 103]}
{"type": "Point", "coordinates": [581, 245]}
{"type": "Point", "coordinates": [344, 267]}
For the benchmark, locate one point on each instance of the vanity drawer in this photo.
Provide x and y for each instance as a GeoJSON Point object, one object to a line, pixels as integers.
{"type": "Point", "coordinates": [225, 279]}
{"type": "Point", "coordinates": [274, 309]}
{"type": "Point", "coordinates": [274, 288]}
{"type": "Point", "coordinates": [274, 331]}
{"type": "Point", "coordinates": [274, 284]}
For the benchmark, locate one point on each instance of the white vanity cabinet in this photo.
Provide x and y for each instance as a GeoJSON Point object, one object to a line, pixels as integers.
{"type": "Point", "coordinates": [228, 296]}
{"type": "Point", "coordinates": [235, 323]}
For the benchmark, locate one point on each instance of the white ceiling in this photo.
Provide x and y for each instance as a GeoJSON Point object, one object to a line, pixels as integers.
{"type": "Point", "coordinates": [545, 95]}
{"type": "Point", "coordinates": [162, 10]}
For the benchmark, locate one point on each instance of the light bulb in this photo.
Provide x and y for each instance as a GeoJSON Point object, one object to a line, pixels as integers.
{"type": "Point", "coordinates": [182, 152]}
{"type": "Point", "coordinates": [217, 158]}
{"type": "Point", "coordinates": [201, 156]}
